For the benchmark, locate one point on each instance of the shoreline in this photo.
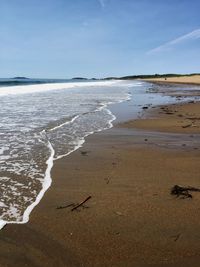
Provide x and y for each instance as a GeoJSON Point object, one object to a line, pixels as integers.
{"type": "Point", "coordinates": [50, 161]}
{"type": "Point", "coordinates": [175, 118]}
{"type": "Point", "coordinates": [131, 219]}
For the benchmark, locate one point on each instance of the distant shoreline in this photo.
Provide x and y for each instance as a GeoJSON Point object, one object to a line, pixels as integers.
{"type": "Point", "coordinates": [194, 79]}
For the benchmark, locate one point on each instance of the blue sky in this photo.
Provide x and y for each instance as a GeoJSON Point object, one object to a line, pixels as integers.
{"type": "Point", "coordinates": [98, 38]}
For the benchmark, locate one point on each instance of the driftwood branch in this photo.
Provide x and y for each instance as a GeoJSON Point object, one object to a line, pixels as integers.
{"type": "Point", "coordinates": [80, 204]}
{"type": "Point", "coordinates": [186, 126]}
{"type": "Point", "coordinates": [74, 206]}
{"type": "Point", "coordinates": [176, 237]}
{"type": "Point", "coordinates": [64, 207]}
{"type": "Point", "coordinates": [107, 180]}
{"type": "Point", "coordinates": [180, 191]}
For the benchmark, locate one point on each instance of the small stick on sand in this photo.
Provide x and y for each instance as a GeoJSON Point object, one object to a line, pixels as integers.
{"type": "Point", "coordinates": [80, 204]}
{"type": "Point", "coordinates": [186, 126]}
{"type": "Point", "coordinates": [176, 237]}
{"type": "Point", "coordinates": [64, 207]}
{"type": "Point", "coordinates": [107, 180]}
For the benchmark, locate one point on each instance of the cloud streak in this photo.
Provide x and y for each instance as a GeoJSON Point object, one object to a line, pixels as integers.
{"type": "Point", "coordinates": [194, 35]}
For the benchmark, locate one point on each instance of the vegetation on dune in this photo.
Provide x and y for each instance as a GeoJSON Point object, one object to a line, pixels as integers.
{"type": "Point", "coordinates": [151, 76]}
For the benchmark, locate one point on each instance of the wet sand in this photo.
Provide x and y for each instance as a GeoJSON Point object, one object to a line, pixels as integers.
{"type": "Point", "coordinates": [131, 219]}
{"type": "Point", "coordinates": [177, 118]}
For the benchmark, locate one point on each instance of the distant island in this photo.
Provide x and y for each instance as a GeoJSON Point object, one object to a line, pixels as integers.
{"type": "Point", "coordinates": [20, 78]}
{"type": "Point", "coordinates": [79, 78]}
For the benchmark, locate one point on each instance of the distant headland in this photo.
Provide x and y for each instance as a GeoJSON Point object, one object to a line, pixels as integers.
{"type": "Point", "coordinates": [151, 76]}
{"type": "Point", "coordinates": [20, 78]}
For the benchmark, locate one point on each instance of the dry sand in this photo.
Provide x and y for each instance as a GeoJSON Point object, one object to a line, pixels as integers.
{"type": "Point", "coordinates": [194, 79]}
{"type": "Point", "coordinates": [131, 219]}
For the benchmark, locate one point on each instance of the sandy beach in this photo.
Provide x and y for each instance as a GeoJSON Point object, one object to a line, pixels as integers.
{"type": "Point", "coordinates": [100, 133]}
{"type": "Point", "coordinates": [131, 218]}
{"type": "Point", "coordinates": [193, 79]}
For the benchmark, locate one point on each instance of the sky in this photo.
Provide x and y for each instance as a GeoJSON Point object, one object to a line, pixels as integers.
{"type": "Point", "coordinates": [98, 38]}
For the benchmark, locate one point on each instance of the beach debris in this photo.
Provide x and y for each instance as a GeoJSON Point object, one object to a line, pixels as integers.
{"type": "Point", "coordinates": [81, 203]}
{"type": "Point", "coordinates": [190, 125]}
{"type": "Point", "coordinates": [66, 206]}
{"type": "Point", "coordinates": [107, 180]}
{"type": "Point", "coordinates": [84, 153]}
{"type": "Point", "coordinates": [176, 237]}
{"type": "Point", "coordinates": [169, 112]}
{"type": "Point", "coordinates": [183, 192]}
{"type": "Point", "coordinates": [74, 206]}
{"type": "Point", "coordinates": [186, 126]}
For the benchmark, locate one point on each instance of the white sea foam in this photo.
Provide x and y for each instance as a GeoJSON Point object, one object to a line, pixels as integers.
{"type": "Point", "coordinates": [36, 88]}
{"type": "Point", "coordinates": [80, 142]}
{"type": "Point", "coordinates": [2, 150]}
{"type": "Point", "coordinates": [46, 184]}
{"type": "Point", "coordinates": [64, 123]}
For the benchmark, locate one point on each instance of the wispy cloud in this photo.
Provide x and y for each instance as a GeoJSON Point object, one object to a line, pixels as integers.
{"type": "Point", "coordinates": [102, 3]}
{"type": "Point", "coordinates": [189, 36]}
